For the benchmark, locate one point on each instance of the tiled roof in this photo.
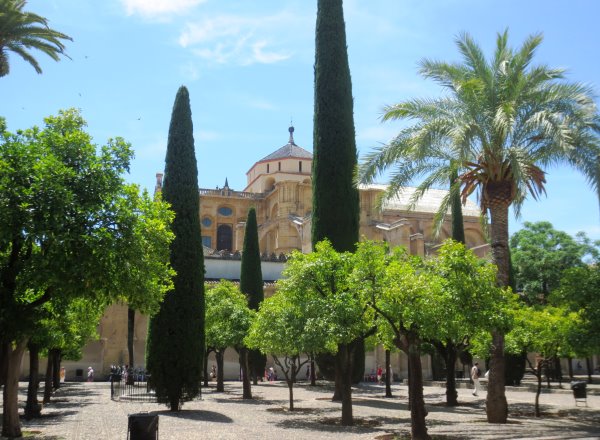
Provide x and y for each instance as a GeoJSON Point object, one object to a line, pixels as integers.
{"type": "Point", "coordinates": [430, 202]}
{"type": "Point", "coordinates": [289, 150]}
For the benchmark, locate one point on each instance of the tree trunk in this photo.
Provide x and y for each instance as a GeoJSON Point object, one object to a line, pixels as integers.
{"type": "Point", "coordinates": [56, 369]}
{"type": "Point", "coordinates": [247, 390]}
{"type": "Point", "coordinates": [343, 370]}
{"type": "Point", "coordinates": [220, 354]}
{"type": "Point", "coordinates": [388, 374]}
{"type": "Point", "coordinates": [558, 371]}
{"type": "Point", "coordinates": [11, 426]}
{"type": "Point", "coordinates": [450, 359]}
{"type": "Point", "coordinates": [48, 377]}
{"type": "Point", "coordinates": [130, 335]}
{"type": "Point", "coordinates": [588, 363]}
{"type": "Point", "coordinates": [290, 381]}
{"type": "Point", "coordinates": [539, 389]}
{"type": "Point", "coordinates": [4, 355]}
{"type": "Point", "coordinates": [33, 408]}
{"type": "Point", "coordinates": [415, 392]}
{"type": "Point", "coordinates": [337, 391]}
{"type": "Point", "coordinates": [570, 367]}
{"type": "Point", "coordinates": [313, 374]}
{"type": "Point", "coordinates": [496, 404]}
{"type": "Point", "coordinates": [206, 353]}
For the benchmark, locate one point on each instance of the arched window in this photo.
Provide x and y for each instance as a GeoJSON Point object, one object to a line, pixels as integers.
{"type": "Point", "coordinates": [224, 237]}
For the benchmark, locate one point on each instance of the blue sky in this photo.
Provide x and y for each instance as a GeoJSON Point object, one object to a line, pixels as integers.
{"type": "Point", "coordinates": [248, 66]}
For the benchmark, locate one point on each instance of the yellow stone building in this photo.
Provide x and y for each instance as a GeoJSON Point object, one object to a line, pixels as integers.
{"type": "Point", "coordinates": [279, 188]}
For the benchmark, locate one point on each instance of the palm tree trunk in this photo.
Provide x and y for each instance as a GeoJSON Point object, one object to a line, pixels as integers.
{"type": "Point", "coordinates": [496, 404]}
{"type": "Point", "coordinates": [33, 407]}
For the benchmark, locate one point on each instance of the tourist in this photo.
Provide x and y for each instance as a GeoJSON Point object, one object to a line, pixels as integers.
{"type": "Point", "coordinates": [379, 373]}
{"type": "Point", "coordinates": [475, 375]}
{"type": "Point", "coordinates": [90, 376]}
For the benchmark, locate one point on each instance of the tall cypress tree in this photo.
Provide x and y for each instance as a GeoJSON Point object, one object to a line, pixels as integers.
{"type": "Point", "coordinates": [251, 284]}
{"type": "Point", "coordinates": [176, 332]}
{"type": "Point", "coordinates": [335, 207]}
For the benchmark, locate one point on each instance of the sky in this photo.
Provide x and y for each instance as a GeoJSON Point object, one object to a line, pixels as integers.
{"type": "Point", "coordinates": [248, 66]}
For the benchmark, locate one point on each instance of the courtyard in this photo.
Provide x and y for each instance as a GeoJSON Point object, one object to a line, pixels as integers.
{"type": "Point", "coordinates": [84, 411]}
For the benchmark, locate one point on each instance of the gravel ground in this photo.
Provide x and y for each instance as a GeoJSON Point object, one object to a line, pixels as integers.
{"type": "Point", "coordinates": [82, 411]}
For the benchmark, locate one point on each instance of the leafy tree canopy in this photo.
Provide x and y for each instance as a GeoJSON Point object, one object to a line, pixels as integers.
{"type": "Point", "coordinates": [228, 316]}
{"type": "Point", "coordinates": [540, 254]}
{"type": "Point", "coordinates": [321, 280]}
{"type": "Point", "coordinates": [70, 227]}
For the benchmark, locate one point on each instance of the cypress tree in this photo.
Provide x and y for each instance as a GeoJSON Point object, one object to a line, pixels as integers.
{"type": "Point", "coordinates": [458, 225]}
{"type": "Point", "coordinates": [335, 207]}
{"type": "Point", "coordinates": [251, 284]}
{"type": "Point", "coordinates": [176, 332]}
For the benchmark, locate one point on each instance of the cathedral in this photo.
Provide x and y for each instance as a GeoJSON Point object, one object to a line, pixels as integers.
{"type": "Point", "coordinates": [279, 188]}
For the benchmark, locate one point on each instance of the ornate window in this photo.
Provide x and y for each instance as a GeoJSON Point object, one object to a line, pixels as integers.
{"type": "Point", "coordinates": [225, 211]}
{"type": "Point", "coordinates": [206, 222]}
{"type": "Point", "coordinates": [206, 241]}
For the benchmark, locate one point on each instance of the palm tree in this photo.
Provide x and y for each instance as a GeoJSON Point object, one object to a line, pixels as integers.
{"type": "Point", "coordinates": [501, 123]}
{"type": "Point", "coordinates": [21, 31]}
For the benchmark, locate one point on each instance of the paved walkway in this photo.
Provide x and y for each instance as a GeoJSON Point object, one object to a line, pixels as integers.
{"type": "Point", "coordinates": [82, 411]}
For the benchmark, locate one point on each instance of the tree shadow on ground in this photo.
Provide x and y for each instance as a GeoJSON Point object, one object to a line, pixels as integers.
{"type": "Point", "coordinates": [381, 404]}
{"type": "Point", "coordinates": [333, 425]}
{"type": "Point", "coordinates": [254, 401]}
{"type": "Point", "coordinates": [195, 414]}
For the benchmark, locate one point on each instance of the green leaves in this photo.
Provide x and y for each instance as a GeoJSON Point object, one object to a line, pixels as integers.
{"type": "Point", "coordinates": [503, 121]}
{"type": "Point", "coordinates": [22, 30]}
{"type": "Point", "coordinates": [70, 227]}
{"type": "Point", "coordinates": [228, 317]}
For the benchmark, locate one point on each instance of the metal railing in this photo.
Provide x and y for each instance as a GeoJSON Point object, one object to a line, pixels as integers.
{"type": "Point", "coordinates": [131, 385]}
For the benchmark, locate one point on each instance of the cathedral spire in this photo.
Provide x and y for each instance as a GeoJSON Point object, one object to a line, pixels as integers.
{"type": "Point", "coordinates": [226, 184]}
{"type": "Point", "coordinates": [291, 130]}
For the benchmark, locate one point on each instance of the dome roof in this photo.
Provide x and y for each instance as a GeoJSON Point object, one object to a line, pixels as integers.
{"type": "Point", "coordinates": [289, 150]}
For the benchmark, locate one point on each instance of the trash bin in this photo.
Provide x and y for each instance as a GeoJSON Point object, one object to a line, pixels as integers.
{"type": "Point", "coordinates": [579, 391]}
{"type": "Point", "coordinates": [142, 427]}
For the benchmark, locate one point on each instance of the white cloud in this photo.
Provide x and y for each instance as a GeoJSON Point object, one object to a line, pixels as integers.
{"type": "Point", "coordinates": [158, 8]}
{"type": "Point", "coordinates": [241, 40]}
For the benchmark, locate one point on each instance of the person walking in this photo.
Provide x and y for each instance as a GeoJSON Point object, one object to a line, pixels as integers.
{"type": "Point", "coordinates": [475, 375]}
